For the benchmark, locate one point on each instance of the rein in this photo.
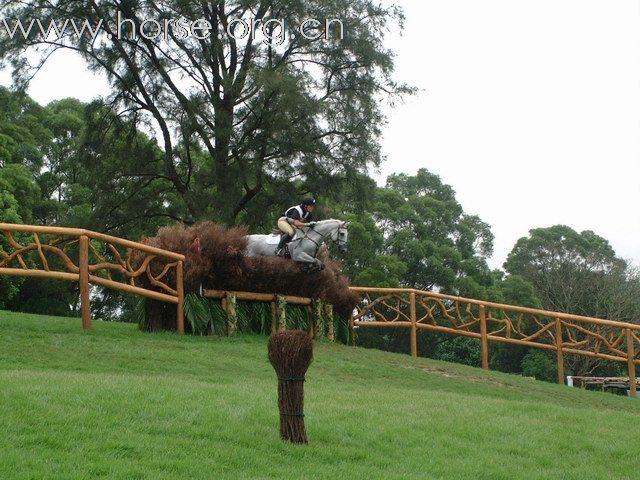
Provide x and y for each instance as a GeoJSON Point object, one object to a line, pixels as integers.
{"type": "Point", "coordinates": [307, 237]}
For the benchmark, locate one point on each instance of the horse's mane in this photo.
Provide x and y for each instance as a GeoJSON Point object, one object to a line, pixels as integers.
{"type": "Point", "coordinates": [328, 220]}
{"type": "Point", "coordinates": [321, 222]}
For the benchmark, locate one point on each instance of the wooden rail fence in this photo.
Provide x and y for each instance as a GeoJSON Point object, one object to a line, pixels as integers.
{"type": "Point", "coordinates": [493, 322]}
{"type": "Point", "coordinates": [88, 257]}
{"type": "Point", "coordinates": [320, 312]}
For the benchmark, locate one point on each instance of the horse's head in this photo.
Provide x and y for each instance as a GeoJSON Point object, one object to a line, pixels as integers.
{"type": "Point", "coordinates": [342, 238]}
{"type": "Point", "coordinates": [331, 229]}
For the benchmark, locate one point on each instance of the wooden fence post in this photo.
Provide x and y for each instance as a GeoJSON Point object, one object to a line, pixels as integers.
{"type": "Point", "coordinates": [484, 341]}
{"type": "Point", "coordinates": [316, 315]}
{"type": "Point", "coordinates": [84, 282]}
{"type": "Point", "coordinates": [327, 310]}
{"type": "Point", "coordinates": [274, 316]}
{"type": "Point", "coordinates": [559, 351]}
{"type": "Point", "coordinates": [230, 308]}
{"type": "Point", "coordinates": [311, 329]}
{"type": "Point", "coordinates": [180, 290]}
{"type": "Point", "coordinates": [282, 313]}
{"type": "Point", "coordinates": [412, 310]}
{"type": "Point", "coordinates": [631, 353]}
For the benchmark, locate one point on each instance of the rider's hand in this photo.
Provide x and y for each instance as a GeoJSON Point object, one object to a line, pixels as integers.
{"type": "Point", "coordinates": [298, 223]}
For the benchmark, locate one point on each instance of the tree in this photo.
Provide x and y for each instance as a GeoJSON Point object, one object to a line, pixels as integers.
{"type": "Point", "coordinates": [577, 273]}
{"type": "Point", "coordinates": [23, 133]}
{"type": "Point", "coordinates": [114, 157]}
{"type": "Point", "coordinates": [9, 286]}
{"type": "Point", "coordinates": [414, 233]}
{"type": "Point", "coordinates": [64, 120]}
{"type": "Point", "coordinates": [566, 268]}
{"type": "Point", "coordinates": [50, 176]}
{"type": "Point", "coordinates": [425, 226]}
{"type": "Point", "coordinates": [235, 115]}
{"type": "Point", "coordinates": [18, 193]}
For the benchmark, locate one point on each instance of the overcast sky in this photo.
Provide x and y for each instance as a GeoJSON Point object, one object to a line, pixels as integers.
{"type": "Point", "coordinates": [529, 109]}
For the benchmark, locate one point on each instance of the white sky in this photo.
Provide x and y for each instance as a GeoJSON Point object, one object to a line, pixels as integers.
{"type": "Point", "coordinates": [530, 109]}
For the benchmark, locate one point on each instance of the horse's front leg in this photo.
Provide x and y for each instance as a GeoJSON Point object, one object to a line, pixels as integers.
{"type": "Point", "coordinates": [303, 257]}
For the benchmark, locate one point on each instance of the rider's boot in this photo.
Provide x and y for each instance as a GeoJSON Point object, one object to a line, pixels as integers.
{"type": "Point", "coordinates": [284, 238]}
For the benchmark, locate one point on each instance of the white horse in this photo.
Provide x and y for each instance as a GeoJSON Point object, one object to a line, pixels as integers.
{"type": "Point", "coordinates": [305, 244]}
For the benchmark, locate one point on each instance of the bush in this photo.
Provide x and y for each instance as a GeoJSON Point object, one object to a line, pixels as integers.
{"type": "Point", "coordinates": [460, 350]}
{"type": "Point", "coordinates": [538, 364]}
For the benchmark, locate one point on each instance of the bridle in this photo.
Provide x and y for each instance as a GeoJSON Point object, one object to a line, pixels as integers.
{"type": "Point", "coordinates": [342, 245]}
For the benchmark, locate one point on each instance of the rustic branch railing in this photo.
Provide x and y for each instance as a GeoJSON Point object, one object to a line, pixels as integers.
{"type": "Point", "coordinates": [494, 322]}
{"type": "Point", "coordinates": [88, 257]}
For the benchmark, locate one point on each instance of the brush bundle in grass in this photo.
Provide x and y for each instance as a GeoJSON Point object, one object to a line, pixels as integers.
{"type": "Point", "coordinates": [290, 353]}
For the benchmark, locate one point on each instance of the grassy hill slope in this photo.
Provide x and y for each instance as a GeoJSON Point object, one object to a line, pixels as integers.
{"type": "Point", "coordinates": [118, 403]}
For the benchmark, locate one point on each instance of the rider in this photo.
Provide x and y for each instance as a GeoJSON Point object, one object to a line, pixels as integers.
{"type": "Point", "coordinates": [297, 215]}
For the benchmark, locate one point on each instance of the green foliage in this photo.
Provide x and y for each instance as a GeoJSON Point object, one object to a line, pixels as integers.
{"type": "Point", "coordinates": [20, 201]}
{"type": "Point", "coordinates": [45, 296]}
{"type": "Point", "coordinates": [23, 131]}
{"type": "Point", "coordinates": [197, 313]}
{"type": "Point", "coordinates": [218, 317]}
{"type": "Point", "coordinates": [9, 286]}
{"type": "Point", "coordinates": [342, 330]}
{"type": "Point", "coordinates": [518, 291]}
{"type": "Point", "coordinates": [505, 357]}
{"type": "Point", "coordinates": [8, 206]}
{"type": "Point", "coordinates": [413, 232]}
{"type": "Point", "coordinates": [460, 350]}
{"type": "Point", "coordinates": [298, 317]}
{"type": "Point", "coordinates": [567, 269]}
{"type": "Point", "coordinates": [138, 314]}
{"type": "Point", "coordinates": [254, 317]}
{"type": "Point", "coordinates": [540, 365]}
{"type": "Point", "coordinates": [18, 194]}
{"type": "Point", "coordinates": [204, 315]}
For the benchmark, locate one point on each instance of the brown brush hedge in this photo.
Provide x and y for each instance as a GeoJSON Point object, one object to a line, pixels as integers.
{"type": "Point", "coordinates": [290, 354]}
{"type": "Point", "coordinates": [219, 264]}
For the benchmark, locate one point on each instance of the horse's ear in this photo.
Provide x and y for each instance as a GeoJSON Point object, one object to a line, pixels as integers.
{"type": "Point", "coordinates": [346, 224]}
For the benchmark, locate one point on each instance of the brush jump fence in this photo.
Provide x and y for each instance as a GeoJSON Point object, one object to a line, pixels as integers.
{"type": "Point", "coordinates": [88, 257]}
{"type": "Point", "coordinates": [493, 322]}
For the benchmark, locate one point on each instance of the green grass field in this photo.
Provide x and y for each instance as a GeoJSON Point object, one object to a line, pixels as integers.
{"type": "Point", "coordinates": [118, 403]}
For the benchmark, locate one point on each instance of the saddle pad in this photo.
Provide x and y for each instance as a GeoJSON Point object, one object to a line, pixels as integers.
{"type": "Point", "coordinates": [273, 239]}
